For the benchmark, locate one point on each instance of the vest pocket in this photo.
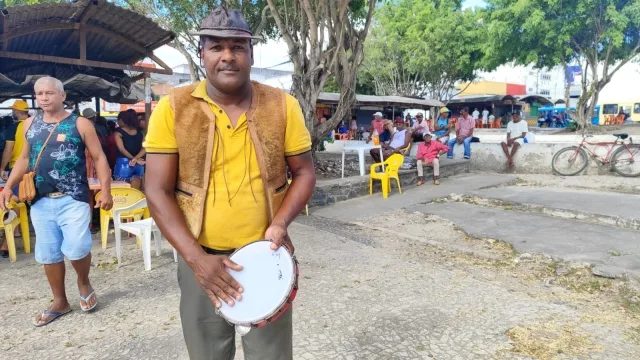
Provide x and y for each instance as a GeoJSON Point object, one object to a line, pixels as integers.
{"type": "Point", "coordinates": [281, 188]}
{"type": "Point", "coordinates": [182, 192]}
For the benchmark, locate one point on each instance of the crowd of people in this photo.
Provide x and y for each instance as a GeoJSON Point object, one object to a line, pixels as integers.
{"type": "Point", "coordinates": [121, 142]}
{"type": "Point", "coordinates": [439, 137]}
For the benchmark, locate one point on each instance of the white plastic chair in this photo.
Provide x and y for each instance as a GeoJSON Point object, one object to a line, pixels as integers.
{"type": "Point", "coordinates": [142, 229]}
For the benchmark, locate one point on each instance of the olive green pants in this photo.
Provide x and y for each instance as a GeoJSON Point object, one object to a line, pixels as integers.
{"type": "Point", "coordinates": [209, 337]}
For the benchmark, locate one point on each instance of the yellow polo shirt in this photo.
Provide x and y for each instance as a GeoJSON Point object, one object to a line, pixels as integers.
{"type": "Point", "coordinates": [236, 207]}
{"type": "Point", "coordinates": [18, 138]}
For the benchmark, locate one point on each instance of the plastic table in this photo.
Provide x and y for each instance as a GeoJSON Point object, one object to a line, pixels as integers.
{"type": "Point", "coordinates": [360, 148]}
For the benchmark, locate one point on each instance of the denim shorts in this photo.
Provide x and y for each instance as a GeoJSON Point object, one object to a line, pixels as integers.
{"type": "Point", "coordinates": [122, 170]}
{"type": "Point", "coordinates": [62, 229]}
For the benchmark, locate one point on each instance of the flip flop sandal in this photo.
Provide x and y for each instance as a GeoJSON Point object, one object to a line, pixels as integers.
{"type": "Point", "coordinates": [86, 301]}
{"type": "Point", "coordinates": [53, 315]}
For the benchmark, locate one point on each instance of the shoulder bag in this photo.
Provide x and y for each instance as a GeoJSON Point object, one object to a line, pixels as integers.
{"type": "Point", "coordinates": [27, 188]}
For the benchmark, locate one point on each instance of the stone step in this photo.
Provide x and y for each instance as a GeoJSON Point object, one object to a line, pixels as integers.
{"type": "Point", "coordinates": [332, 191]}
{"type": "Point", "coordinates": [561, 238]}
{"type": "Point", "coordinates": [603, 208]}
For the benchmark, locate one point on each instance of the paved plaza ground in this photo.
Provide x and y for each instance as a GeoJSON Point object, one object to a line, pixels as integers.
{"type": "Point", "coordinates": [484, 266]}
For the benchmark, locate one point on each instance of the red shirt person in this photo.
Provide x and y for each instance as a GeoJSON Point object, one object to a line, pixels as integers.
{"type": "Point", "coordinates": [429, 153]}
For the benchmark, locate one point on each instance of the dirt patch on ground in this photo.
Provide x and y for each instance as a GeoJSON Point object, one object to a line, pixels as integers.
{"type": "Point", "coordinates": [599, 302]}
{"type": "Point", "coordinates": [549, 339]}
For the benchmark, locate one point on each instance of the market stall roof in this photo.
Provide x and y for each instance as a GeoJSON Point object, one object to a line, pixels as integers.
{"type": "Point", "coordinates": [480, 99]}
{"type": "Point", "coordinates": [539, 98]}
{"type": "Point", "coordinates": [398, 101]}
{"type": "Point", "coordinates": [92, 38]}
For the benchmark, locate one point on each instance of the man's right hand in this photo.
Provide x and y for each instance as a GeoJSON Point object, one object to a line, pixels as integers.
{"type": "Point", "coordinates": [213, 278]}
{"type": "Point", "coordinates": [5, 198]}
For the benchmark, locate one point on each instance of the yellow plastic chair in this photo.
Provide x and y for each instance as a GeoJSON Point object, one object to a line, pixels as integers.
{"type": "Point", "coordinates": [9, 230]}
{"type": "Point", "coordinates": [391, 166]}
{"type": "Point", "coordinates": [122, 197]}
{"type": "Point", "coordinates": [406, 151]}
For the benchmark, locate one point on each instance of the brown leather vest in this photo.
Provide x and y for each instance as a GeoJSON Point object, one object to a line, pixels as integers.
{"type": "Point", "coordinates": [195, 131]}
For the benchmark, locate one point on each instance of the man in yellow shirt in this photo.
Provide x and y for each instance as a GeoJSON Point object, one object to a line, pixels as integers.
{"type": "Point", "coordinates": [15, 139]}
{"type": "Point", "coordinates": [217, 154]}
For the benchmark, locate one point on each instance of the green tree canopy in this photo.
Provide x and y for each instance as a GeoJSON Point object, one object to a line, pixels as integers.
{"type": "Point", "coordinates": [423, 47]}
{"type": "Point", "coordinates": [600, 35]}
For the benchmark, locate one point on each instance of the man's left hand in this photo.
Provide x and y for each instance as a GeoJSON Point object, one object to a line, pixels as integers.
{"type": "Point", "coordinates": [105, 201]}
{"type": "Point", "coordinates": [277, 233]}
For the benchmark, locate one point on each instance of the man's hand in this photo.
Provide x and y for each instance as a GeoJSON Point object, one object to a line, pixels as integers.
{"type": "Point", "coordinates": [141, 162]}
{"type": "Point", "coordinates": [217, 283]}
{"type": "Point", "coordinates": [5, 198]}
{"type": "Point", "coordinates": [277, 233]}
{"type": "Point", "coordinates": [132, 162]}
{"type": "Point", "coordinates": [105, 201]}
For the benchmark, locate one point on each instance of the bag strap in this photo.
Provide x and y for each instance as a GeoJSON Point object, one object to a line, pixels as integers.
{"type": "Point", "coordinates": [45, 144]}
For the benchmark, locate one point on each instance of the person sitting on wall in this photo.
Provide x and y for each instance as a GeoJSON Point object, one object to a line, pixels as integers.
{"type": "Point", "coordinates": [516, 133]}
{"type": "Point", "coordinates": [429, 153]}
{"type": "Point", "coordinates": [418, 128]}
{"type": "Point", "coordinates": [464, 133]}
{"type": "Point", "coordinates": [443, 127]}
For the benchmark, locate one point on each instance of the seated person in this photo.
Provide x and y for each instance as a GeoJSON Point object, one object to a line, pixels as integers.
{"type": "Point", "coordinates": [400, 139]}
{"type": "Point", "coordinates": [516, 132]}
{"type": "Point", "coordinates": [419, 127]}
{"type": "Point", "coordinates": [429, 153]}
{"type": "Point", "coordinates": [464, 133]}
{"type": "Point", "coordinates": [443, 127]}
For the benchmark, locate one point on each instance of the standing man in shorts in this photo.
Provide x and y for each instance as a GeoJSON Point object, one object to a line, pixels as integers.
{"type": "Point", "coordinates": [217, 158]}
{"type": "Point", "coordinates": [516, 132]}
{"type": "Point", "coordinates": [60, 210]}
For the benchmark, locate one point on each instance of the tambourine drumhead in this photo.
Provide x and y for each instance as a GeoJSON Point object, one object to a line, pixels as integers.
{"type": "Point", "coordinates": [267, 278]}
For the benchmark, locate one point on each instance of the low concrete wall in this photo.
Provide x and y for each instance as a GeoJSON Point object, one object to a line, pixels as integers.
{"type": "Point", "coordinates": [335, 190]}
{"type": "Point", "coordinates": [530, 159]}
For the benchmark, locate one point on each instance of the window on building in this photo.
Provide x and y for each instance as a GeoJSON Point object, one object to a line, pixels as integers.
{"type": "Point", "coordinates": [546, 77]}
{"type": "Point", "coordinates": [530, 89]}
{"type": "Point", "coordinates": [636, 108]}
{"type": "Point", "coordinates": [545, 92]}
{"type": "Point", "coordinates": [610, 109]}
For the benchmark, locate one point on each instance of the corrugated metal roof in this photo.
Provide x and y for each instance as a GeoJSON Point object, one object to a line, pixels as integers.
{"type": "Point", "coordinates": [40, 30]}
{"type": "Point", "coordinates": [399, 101]}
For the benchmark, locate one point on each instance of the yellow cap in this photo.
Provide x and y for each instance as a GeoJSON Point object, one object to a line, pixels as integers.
{"type": "Point", "coordinates": [444, 110]}
{"type": "Point", "coordinates": [20, 105]}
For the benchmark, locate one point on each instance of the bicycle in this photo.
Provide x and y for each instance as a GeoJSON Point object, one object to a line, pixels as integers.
{"type": "Point", "coordinates": [573, 160]}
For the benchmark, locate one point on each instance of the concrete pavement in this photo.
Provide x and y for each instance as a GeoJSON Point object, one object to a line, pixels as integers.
{"type": "Point", "coordinates": [560, 238]}
{"type": "Point", "coordinates": [374, 205]}
{"type": "Point", "coordinates": [601, 229]}
{"type": "Point", "coordinates": [603, 203]}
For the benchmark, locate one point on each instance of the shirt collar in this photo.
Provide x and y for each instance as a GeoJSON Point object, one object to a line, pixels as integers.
{"type": "Point", "coordinates": [200, 92]}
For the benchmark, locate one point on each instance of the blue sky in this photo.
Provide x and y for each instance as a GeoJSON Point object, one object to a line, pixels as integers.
{"type": "Point", "coordinates": [474, 3]}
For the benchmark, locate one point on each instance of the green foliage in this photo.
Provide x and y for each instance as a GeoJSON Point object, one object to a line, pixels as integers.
{"type": "Point", "coordinates": [9, 3]}
{"type": "Point", "coordinates": [364, 86]}
{"type": "Point", "coordinates": [600, 35]}
{"type": "Point", "coordinates": [184, 16]}
{"type": "Point", "coordinates": [422, 47]}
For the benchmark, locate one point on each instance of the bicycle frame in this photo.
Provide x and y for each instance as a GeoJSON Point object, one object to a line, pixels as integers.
{"type": "Point", "coordinates": [611, 145]}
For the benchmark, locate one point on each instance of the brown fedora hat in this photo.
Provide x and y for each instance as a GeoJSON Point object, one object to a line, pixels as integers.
{"type": "Point", "coordinates": [223, 23]}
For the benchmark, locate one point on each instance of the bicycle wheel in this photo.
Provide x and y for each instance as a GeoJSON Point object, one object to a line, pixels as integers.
{"type": "Point", "coordinates": [570, 161]}
{"type": "Point", "coordinates": [626, 160]}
